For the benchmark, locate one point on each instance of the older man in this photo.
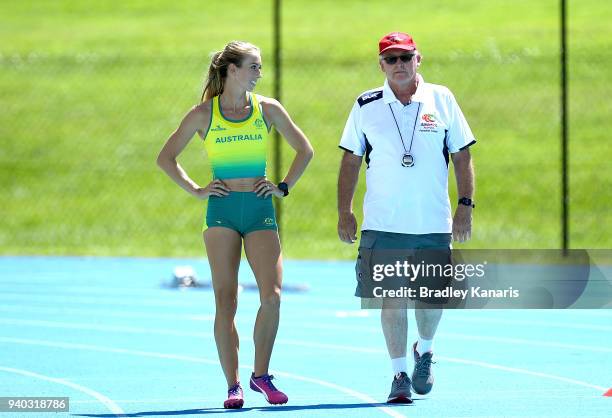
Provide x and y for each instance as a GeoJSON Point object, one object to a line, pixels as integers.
{"type": "Point", "coordinates": [406, 129]}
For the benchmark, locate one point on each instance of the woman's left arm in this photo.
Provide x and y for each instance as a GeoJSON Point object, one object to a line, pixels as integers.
{"type": "Point", "coordinates": [278, 116]}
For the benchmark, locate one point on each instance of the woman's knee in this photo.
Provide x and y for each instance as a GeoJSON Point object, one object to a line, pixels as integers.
{"type": "Point", "coordinates": [271, 299]}
{"type": "Point", "coordinates": [226, 299]}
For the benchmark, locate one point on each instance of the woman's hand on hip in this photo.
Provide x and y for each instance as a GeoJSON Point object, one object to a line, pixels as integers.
{"type": "Point", "coordinates": [214, 188]}
{"type": "Point", "coordinates": [265, 188]}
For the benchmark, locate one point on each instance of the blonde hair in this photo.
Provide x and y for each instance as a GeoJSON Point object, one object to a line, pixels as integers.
{"type": "Point", "coordinates": [233, 53]}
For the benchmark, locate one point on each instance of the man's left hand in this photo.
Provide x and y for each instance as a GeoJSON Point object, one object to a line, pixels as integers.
{"type": "Point", "coordinates": [462, 223]}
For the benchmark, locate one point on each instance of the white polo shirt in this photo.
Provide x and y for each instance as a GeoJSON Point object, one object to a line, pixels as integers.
{"type": "Point", "coordinates": [408, 200]}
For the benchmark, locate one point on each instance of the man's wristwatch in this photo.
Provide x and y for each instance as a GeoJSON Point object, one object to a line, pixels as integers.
{"type": "Point", "coordinates": [284, 188]}
{"type": "Point", "coordinates": [467, 202]}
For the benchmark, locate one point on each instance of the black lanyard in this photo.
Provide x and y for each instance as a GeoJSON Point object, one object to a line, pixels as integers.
{"type": "Point", "coordinates": [407, 158]}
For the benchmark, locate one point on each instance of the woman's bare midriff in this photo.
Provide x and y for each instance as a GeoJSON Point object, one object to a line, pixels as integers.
{"type": "Point", "coordinates": [245, 184]}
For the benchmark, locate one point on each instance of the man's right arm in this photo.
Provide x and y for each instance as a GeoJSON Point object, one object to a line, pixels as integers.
{"type": "Point", "coordinates": [347, 183]}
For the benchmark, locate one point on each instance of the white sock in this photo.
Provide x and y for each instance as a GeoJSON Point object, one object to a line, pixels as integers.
{"type": "Point", "coordinates": [399, 365]}
{"type": "Point", "coordinates": [423, 346]}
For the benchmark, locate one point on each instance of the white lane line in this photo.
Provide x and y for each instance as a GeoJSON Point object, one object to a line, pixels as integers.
{"type": "Point", "coordinates": [521, 371]}
{"type": "Point", "coordinates": [348, 391]}
{"type": "Point", "coordinates": [304, 344]}
{"type": "Point", "coordinates": [24, 289]}
{"type": "Point", "coordinates": [361, 313]}
{"type": "Point", "coordinates": [63, 299]}
{"type": "Point", "coordinates": [531, 323]}
{"type": "Point", "coordinates": [62, 310]}
{"type": "Point", "coordinates": [324, 346]}
{"type": "Point", "coordinates": [186, 299]}
{"type": "Point", "coordinates": [110, 328]}
{"type": "Point", "coordinates": [520, 341]}
{"type": "Point", "coordinates": [176, 333]}
{"type": "Point", "coordinates": [348, 315]}
{"type": "Point", "coordinates": [196, 400]}
{"type": "Point", "coordinates": [112, 406]}
{"type": "Point", "coordinates": [330, 397]}
{"type": "Point", "coordinates": [565, 326]}
{"type": "Point", "coordinates": [89, 347]}
{"type": "Point", "coordinates": [455, 360]}
{"type": "Point", "coordinates": [517, 341]}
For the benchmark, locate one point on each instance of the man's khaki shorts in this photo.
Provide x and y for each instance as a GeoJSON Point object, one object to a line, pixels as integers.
{"type": "Point", "coordinates": [387, 263]}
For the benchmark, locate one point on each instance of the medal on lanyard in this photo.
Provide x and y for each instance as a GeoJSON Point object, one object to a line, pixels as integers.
{"type": "Point", "coordinates": [407, 158]}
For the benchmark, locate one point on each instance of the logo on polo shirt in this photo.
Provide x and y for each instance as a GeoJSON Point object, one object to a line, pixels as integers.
{"type": "Point", "coordinates": [429, 118]}
{"type": "Point", "coordinates": [369, 95]}
{"type": "Point", "coordinates": [218, 128]}
{"type": "Point", "coordinates": [429, 123]}
{"type": "Point", "coordinates": [268, 221]}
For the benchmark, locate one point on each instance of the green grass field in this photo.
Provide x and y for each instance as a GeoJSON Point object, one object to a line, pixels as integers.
{"type": "Point", "coordinates": [91, 90]}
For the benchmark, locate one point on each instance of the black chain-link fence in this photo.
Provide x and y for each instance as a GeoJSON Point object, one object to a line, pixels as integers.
{"type": "Point", "coordinates": [507, 82]}
{"type": "Point", "coordinates": [81, 127]}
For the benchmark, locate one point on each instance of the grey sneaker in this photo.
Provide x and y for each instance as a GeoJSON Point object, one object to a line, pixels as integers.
{"type": "Point", "coordinates": [422, 379]}
{"type": "Point", "coordinates": [400, 389]}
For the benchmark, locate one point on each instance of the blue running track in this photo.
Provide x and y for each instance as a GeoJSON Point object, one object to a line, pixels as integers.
{"type": "Point", "coordinates": [106, 333]}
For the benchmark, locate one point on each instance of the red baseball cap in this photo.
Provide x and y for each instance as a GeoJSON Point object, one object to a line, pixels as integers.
{"type": "Point", "coordinates": [396, 40]}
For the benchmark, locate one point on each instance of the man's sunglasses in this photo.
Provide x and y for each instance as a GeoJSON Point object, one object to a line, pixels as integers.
{"type": "Point", "coordinates": [391, 60]}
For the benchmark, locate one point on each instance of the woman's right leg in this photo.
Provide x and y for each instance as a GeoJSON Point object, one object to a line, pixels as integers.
{"type": "Point", "coordinates": [223, 247]}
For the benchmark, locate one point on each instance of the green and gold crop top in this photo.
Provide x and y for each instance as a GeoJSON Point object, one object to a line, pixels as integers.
{"type": "Point", "coordinates": [237, 148]}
